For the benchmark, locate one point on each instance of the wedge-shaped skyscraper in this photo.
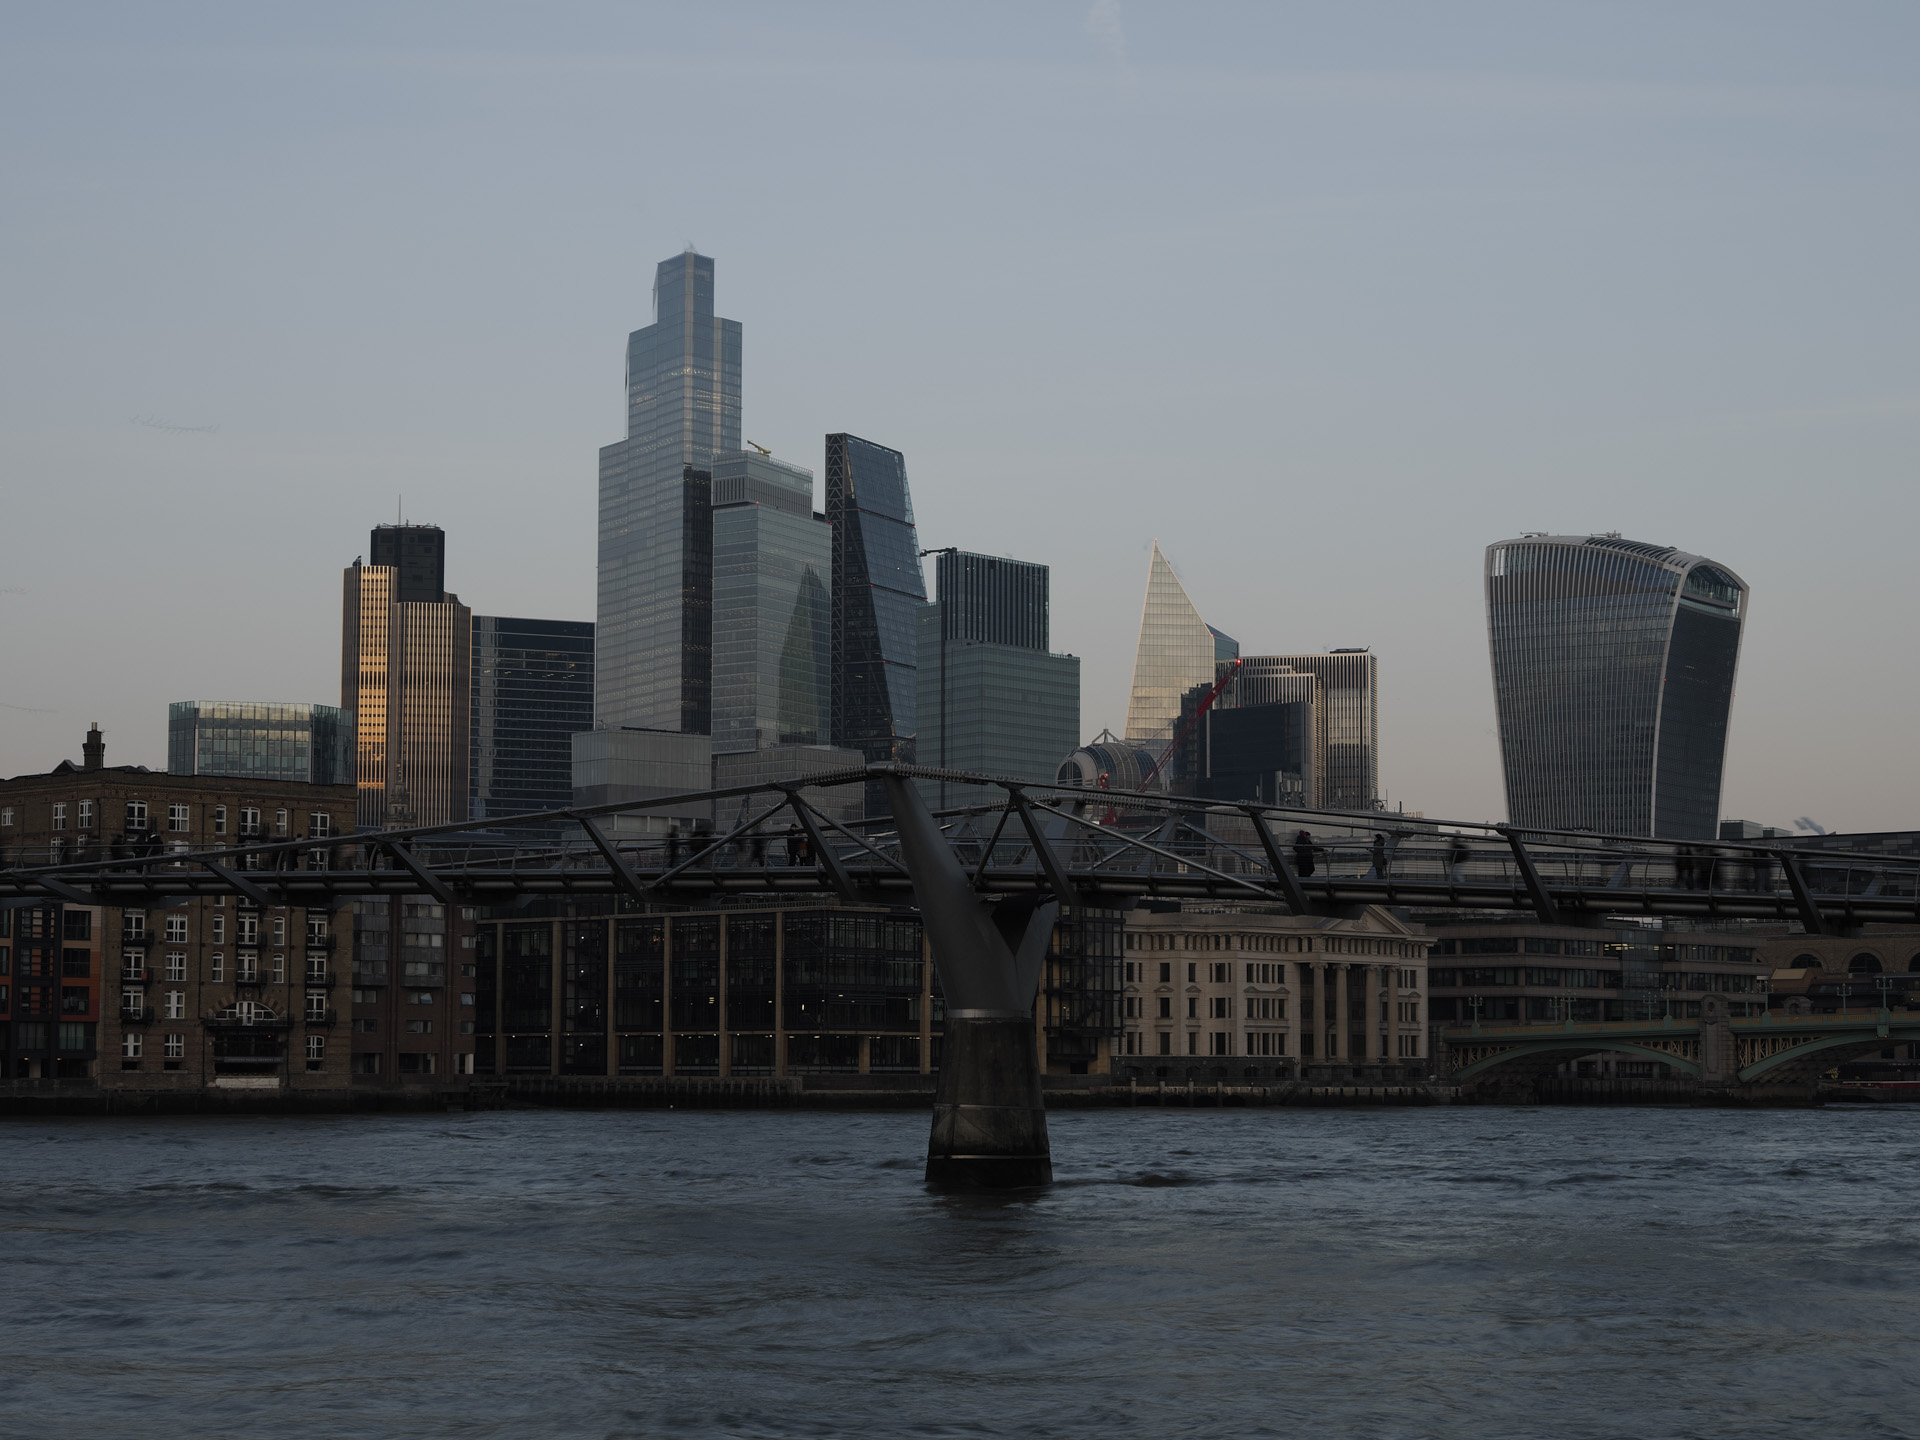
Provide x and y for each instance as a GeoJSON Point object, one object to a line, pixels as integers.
{"type": "Point", "coordinates": [878, 593]}
{"type": "Point", "coordinates": [1613, 668]}
{"type": "Point", "coordinates": [1178, 650]}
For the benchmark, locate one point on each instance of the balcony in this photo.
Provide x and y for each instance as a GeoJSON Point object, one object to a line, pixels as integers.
{"type": "Point", "coordinates": [323, 1017]}
{"type": "Point", "coordinates": [319, 980]}
{"type": "Point", "coordinates": [328, 943]}
{"type": "Point", "coordinates": [136, 1015]}
{"type": "Point", "coordinates": [135, 975]}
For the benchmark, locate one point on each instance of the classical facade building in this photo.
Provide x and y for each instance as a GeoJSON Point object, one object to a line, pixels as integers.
{"type": "Point", "coordinates": [1214, 993]}
{"type": "Point", "coordinates": [212, 993]}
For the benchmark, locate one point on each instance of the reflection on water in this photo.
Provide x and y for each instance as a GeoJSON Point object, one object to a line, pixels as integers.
{"type": "Point", "coordinates": [1479, 1272]}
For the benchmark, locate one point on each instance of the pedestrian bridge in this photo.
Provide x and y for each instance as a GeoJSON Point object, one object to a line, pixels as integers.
{"type": "Point", "coordinates": [1774, 1050]}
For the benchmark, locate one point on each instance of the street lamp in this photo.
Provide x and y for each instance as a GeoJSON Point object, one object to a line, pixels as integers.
{"type": "Point", "coordinates": [943, 550]}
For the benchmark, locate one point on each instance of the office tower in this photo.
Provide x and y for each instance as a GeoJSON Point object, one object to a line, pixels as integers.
{"type": "Point", "coordinates": [406, 679]}
{"type": "Point", "coordinates": [1613, 669]}
{"type": "Point", "coordinates": [417, 554]}
{"type": "Point", "coordinates": [992, 699]}
{"type": "Point", "coordinates": [532, 693]}
{"type": "Point", "coordinates": [1263, 739]}
{"type": "Point", "coordinates": [772, 610]}
{"type": "Point", "coordinates": [1177, 651]}
{"type": "Point", "coordinates": [1349, 700]}
{"type": "Point", "coordinates": [653, 637]}
{"type": "Point", "coordinates": [878, 591]}
{"type": "Point", "coordinates": [298, 744]}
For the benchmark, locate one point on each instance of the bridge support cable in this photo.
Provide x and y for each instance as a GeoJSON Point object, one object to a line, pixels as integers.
{"type": "Point", "coordinates": [1050, 866]}
{"type": "Point", "coordinates": [823, 855]}
{"type": "Point", "coordinates": [429, 881]}
{"type": "Point", "coordinates": [245, 887]}
{"type": "Point", "coordinates": [622, 872]}
{"type": "Point", "coordinates": [1282, 872]}
{"type": "Point", "coordinates": [1150, 849]}
{"type": "Point", "coordinates": [989, 1119]}
{"type": "Point", "coordinates": [1810, 917]}
{"type": "Point", "coordinates": [1543, 905]}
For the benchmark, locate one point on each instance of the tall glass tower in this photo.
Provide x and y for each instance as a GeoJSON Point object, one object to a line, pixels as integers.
{"type": "Point", "coordinates": [1613, 669]}
{"type": "Point", "coordinates": [653, 636]}
{"type": "Point", "coordinates": [532, 693]}
{"type": "Point", "coordinates": [1177, 651]}
{"type": "Point", "coordinates": [878, 591]}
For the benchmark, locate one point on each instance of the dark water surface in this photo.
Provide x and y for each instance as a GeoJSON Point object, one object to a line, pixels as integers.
{"type": "Point", "coordinates": [1473, 1272]}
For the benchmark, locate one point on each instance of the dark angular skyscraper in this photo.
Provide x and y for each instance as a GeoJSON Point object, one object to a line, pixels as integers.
{"type": "Point", "coordinates": [878, 591]}
{"type": "Point", "coordinates": [1613, 669]}
{"type": "Point", "coordinates": [417, 554]}
{"type": "Point", "coordinates": [654, 635]}
{"type": "Point", "coordinates": [532, 692]}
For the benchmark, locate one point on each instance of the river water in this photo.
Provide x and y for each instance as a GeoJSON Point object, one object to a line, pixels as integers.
{"type": "Point", "coordinates": [1439, 1272]}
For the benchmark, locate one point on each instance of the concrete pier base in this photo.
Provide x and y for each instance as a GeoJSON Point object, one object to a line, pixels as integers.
{"type": "Point", "coordinates": [989, 1120]}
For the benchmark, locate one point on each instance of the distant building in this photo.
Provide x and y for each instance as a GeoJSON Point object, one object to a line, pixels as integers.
{"type": "Point", "coordinates": [1613, 669]}
{"type": "Point", "coordinates": [772, 606]}
{"type": "Point", "coordinates": [654, 631]}
{"type": "Point", "coordinates": [611, 765]}
{"type": "Point", "coordinates": [1264, 753]}
{"type": "Point", "coordinates": [992, 698]}
{"type": "Point", "coordinates": [406, 678]}
{"type": "Point", "coordinates": [289, 744]}
{"type": "Point", "coordinates": [1177, 651]}
{"type": "Point", "coordinates": [878, 591]}
{"type": "Point", "coordinates": [532, 693]}
{"type": "Point", "coordinates": [1349, 702]}
{"type": "Point", "coordinates": [417, 554]}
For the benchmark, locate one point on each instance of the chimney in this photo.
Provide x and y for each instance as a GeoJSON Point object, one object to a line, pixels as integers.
{"type": "Point", "coordinates": [95, 750]}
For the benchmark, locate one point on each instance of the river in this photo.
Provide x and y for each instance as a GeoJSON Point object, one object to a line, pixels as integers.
{"type": "Point", "coordinates": [1477, 1272]}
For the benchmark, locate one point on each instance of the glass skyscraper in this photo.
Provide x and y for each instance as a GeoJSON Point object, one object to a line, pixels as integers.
{"type": "Point", "coordinates": [772, 606]}
{"type": "Point", "coordinates": [1177, 651]}
{"type": "Point", "coordinates": [532, 692]}
{"type": "Point", "coordinates": [1349, 721]}
{"type": "Point", "coordinates": [1613, 670]}
{"type": "Point", "coordinates": [654, 632]}
{"type": "Point", "coordinates": [878, 592]}
{"type": "Point", "coordinates": [992, 699]}
{"type": "Point", "coordinates": [299, 744]}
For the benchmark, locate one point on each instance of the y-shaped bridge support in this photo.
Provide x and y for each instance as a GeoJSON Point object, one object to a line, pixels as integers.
{"type": "Point", "coordinates": [989, 1119]}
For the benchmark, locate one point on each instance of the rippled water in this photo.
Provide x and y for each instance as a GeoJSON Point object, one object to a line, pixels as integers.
{"type": "Point", "coordinates": [1482, 1272]}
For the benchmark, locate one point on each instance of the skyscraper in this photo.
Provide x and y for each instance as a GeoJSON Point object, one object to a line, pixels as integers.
{"type": "Point", "coordinates": [992, 698]}
{"type": "Point", "coordinates": [532, 693]}
{"type": "Point", "coordinates": [1177, 651]}
{"type": "Point", "coordinates": [1613, 670]}
{"type": "Point", "coordinates": [291, 744]}
{"type": "Point", "coordinates": [1349, 720]}
{"type": "Point", "coordinates": [406, 678]}
{"type": "Point", "coordinates": [654, 637]}
{"type": "Point", "coordinates": [878, 590]}
{"type": "Point", "coordinates": [772, 610]}
{"type": "Point", "coordinates": [417, 554]}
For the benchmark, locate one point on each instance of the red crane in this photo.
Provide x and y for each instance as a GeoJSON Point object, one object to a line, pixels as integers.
{"type": "Point", "coordinates": [1188, 722]}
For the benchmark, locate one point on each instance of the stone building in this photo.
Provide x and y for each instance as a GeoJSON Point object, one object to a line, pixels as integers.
{"type": "Point", "coordinates": [208, 993]}
{"type": "Point", "coordinates": [1219, 994]}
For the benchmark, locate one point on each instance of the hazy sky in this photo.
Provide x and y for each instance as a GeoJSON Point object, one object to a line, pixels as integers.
{"type": "Point", "coordinates": [1325, 297]}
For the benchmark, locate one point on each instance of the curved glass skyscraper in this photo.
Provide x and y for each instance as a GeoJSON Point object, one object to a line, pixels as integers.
{"type": "Point", "coordinates": [1613, 666]}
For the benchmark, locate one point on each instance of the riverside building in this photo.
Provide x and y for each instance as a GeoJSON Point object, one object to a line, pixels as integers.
{"type": "Point", "coordinates": [1217, 994]}
{"type": "Point", "coordinates": [204, 994]}
{"type": "Point", "coordinates": [1613, 671]}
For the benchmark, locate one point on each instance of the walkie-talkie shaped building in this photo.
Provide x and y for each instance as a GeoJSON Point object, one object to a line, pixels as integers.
{"type": "Point", "coordinates": [1613, 668]}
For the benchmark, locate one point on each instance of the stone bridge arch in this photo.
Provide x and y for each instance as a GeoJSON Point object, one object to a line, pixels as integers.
{"type": "Point", "coordinates": [1545, 1052]}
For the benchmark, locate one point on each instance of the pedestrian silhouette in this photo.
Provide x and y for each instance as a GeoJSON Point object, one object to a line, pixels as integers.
{"type": "Point", "coordinates": [793, 844]}
{"type": "Point", "coordinates": [1380, 856]}
{"type": "Point", "coordinates": [1303, 853]}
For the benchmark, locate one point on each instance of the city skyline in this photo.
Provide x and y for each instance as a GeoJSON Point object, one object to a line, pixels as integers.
{"type": "Point", "coordinates": [1568, 347]}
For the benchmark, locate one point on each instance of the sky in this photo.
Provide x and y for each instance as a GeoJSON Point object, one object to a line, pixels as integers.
{"type": "Point", "coordinates": [1325, 298]}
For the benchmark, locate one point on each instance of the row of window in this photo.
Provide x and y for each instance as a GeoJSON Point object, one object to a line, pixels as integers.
{"type": "Point", "coordinates": [1221, 973]}
{"type": "Point", "coordinates": [180, 819]}
{"type": "Point", "coordinates": [1271, 944]}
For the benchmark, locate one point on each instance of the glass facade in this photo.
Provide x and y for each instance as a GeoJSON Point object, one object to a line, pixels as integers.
{"type": "Point", "coordinates": [1349, 696]}
{"type": "Point", "coordinates": [992, 599]}
{"type": "Point", "coordinates": [1613, 670]}
{"type": "Point", "coordinates": [532, 692]}
{"type": "Point", "coordinates": [878, 591]}
{"type": "Point", "coordinates": [655, 564]}
{"type": "Point", "coordinates": [417, 554]}
{"type": "Point", "coordinates": [301, 744]}
{"type": "Point", "coordinates": [1177, 651]}
{"type": "Point", "coordinates": [772, 610]}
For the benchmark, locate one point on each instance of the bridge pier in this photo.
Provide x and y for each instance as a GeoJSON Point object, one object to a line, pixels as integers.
{"type": "Point", "coordinates": [989, 1117]}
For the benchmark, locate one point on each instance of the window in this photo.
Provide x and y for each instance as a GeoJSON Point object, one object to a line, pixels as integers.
{"type": "Point", "coordinates": [279, 929]}
{"type": "Point", "coordinates": [176, 929]}
{"type": "Point", "coordinates": [59, 814]}
{"type": "Point", "coordinates": [1193, 1007]}
{"type": "Point", "coordinates": [176, 1005]}
{"type": "Point", "coordinates": [1166, 1007]}
{"type": "Point", "coordinates": [415, 1064]}
{"type": "Point", "coordinates": [1193, 1042]}
{"type": "Point", "coordinates": [466, 997]}
{"type": "Point", "coordinates": [136, 815]}
{"type": "Point", "coordinates": [316, 931]}
{"type": "Point", "coordinates": [1166, 1043]}
{"type": "Point", "coordinates": [219, 929]}
{"type": "Point", "coordinates": [76, 924]}
{"type": "Point", "coordinates": [280, 822]}
{"type": "Point", "coordinates": [419, 1027]}
{"type": "Point", "coordinates": [316, 1051]}
{"type": "Point", "coordinates": [316, 1005]}
{"type": "Point", "coordinates": [86, 815]}
{"type": "Point", "coordinates": [133, 925]}
{"type": "Point", "coordinates": [130, 1044]}
{"type": "Point", "coordinates": [249, 820]}
{"type": "Point", "coordinates": [466, 1027]}
{"type": "Point", "coordinates": [216, 968]}
{"type": "Point", "coordinates": [1166, 973]}
{"type": "Point", "coordinates": [176, 965]}
{"type": "Point", "coordinates": [219, 819]}
{"type": "Point", "coordinates": [74, 1037]}
{"type": "Point", "coordinates": [1193, 972]}
{"type": "Point", "coordinates": [6, 814]}
{"type": "Point", "coordinates": [420, 997]}
{"type": "Point", "coordinates": [176, 818]}
{"type": "Point", "coordinates": [366, 1027]}
{"type": "Point", "coordinates": [133, 1000]}
{"type": "Point", "coordinates": [366, 1064]}
{"type": "Point", "coordinates": [279, 969]}
{"type": "Point", "coordinates": [319, 825]}
{"type": "Point", "coordinates": [175, 1046]}
{"type": "Point", "coordinates": [247, 930]}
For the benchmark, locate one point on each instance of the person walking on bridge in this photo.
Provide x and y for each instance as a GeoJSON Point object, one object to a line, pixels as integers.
{"type": "Point", "coordinates": [793, 843]}
{"type": "Point", "coordinates": [1379, 856]}
{"type": "Point", "coordinates": [1303, 853]}
{"type": "Point", "coordinates": [1458, 853]}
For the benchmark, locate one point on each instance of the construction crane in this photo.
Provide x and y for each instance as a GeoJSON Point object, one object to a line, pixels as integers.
{"type": "Point", "coordinates": [1188, 722]}
{"type": "Point", "coordinates": [762, 449]}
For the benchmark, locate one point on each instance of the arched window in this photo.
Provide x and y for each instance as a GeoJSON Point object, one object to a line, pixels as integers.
{"type": "Point", "coordinates": [1864, 964]}
{"type": "Point", "coordinates": [1913, 965]}
{"type": "Point", "coordinates": [1806, 962]}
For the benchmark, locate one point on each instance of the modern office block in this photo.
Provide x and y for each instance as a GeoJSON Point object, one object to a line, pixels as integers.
{"type": "Point", "coordinates": [532, 693]}
{"type": "Point", "coordinates": [612, 765]}
{"type": "Point", "coordinates": [772, 607]}
{"type": "Point", "coordinates": [992, 699]}
{"type": "Point", "coordinates": [878, 590]}
{"type": "Point", "coordinates": [406, 676]}
{"type": "Point", "coordinates": [1349, 720]}
{"type": "Point", "coordinates": [653, 636]}
{"type": "Point", "coordinates": [287, 744]}
{"type": "Point", "coordinates": [1613, 671]}
{"type": "Point", "coordinates": [417, 554]}
{"type": "Point", "coordinates": [1177, 651]}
